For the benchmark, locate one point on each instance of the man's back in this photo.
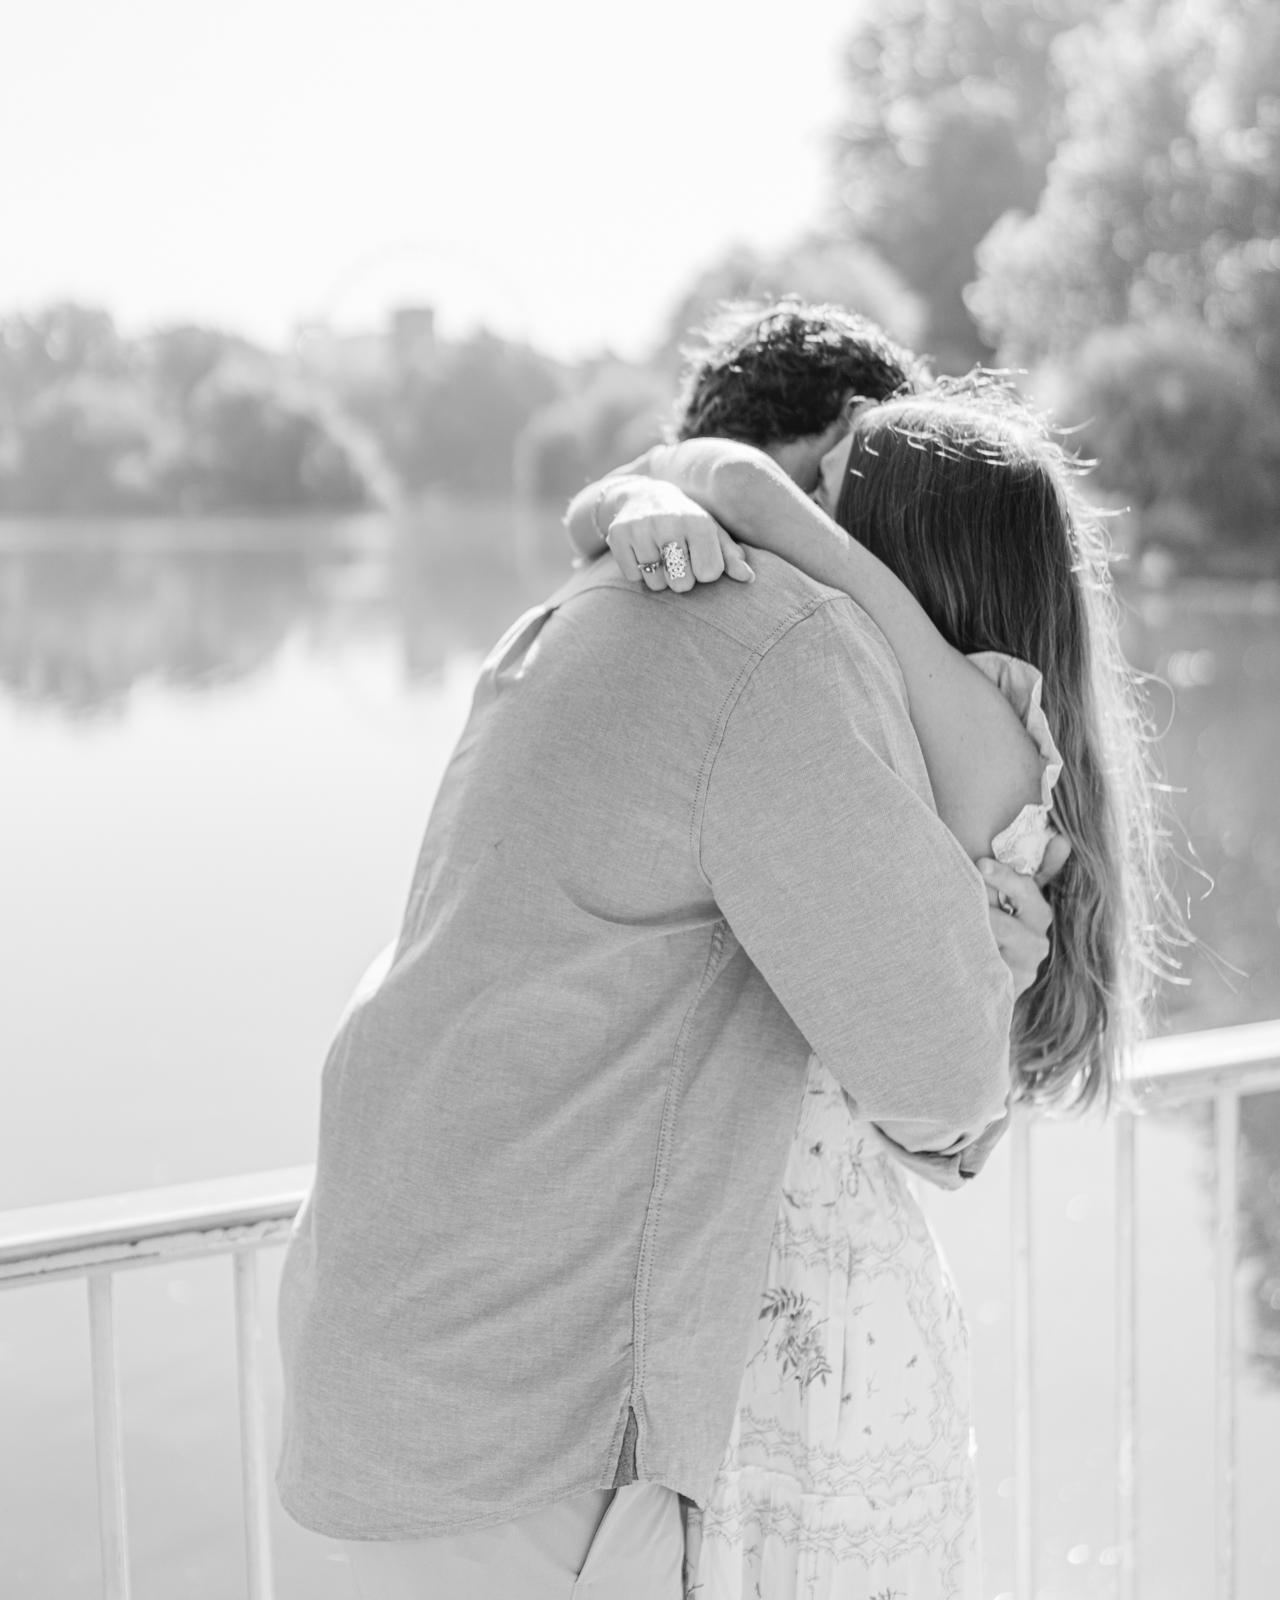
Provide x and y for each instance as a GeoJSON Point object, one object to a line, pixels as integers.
{"type": "Point", "coordinates": [682, 840]}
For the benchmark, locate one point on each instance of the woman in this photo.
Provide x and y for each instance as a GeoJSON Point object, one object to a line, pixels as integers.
{"type": "Point", "coordinates": [848, 1474]}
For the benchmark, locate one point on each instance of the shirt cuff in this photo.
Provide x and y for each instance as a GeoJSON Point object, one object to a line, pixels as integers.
{"type": "Point", "coordinates": [949, 1170]}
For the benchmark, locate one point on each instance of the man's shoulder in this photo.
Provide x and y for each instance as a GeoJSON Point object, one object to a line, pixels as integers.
{"type": "Point", "coordinates": [755, 613]}
{"type": "Point", "coordinates": [750, 616]}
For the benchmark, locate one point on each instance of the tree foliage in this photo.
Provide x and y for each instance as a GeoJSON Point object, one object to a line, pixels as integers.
{"type": "Point", "coordinates": [843, 272]}
{"type": "Point", "coordinates": [448, 415]}
{"type": "Point", "coordinates": [1164, 196]}
{"type": "Point", "coordinates": [253, 445]}
{"type": "Point", "coordinates": [1181, 428]}
{"type": "Point", "coordinates": [606, 421]}
{"type": "Point", "coordinates": [954, 107]}
{"type": "Point", "coordinates": [192, 419]}
{"type": "Point", "coordinates": [185, 419]}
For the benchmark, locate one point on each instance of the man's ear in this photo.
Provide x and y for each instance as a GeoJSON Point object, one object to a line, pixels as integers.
{"type": "Point", "coordinates": [853, 404]}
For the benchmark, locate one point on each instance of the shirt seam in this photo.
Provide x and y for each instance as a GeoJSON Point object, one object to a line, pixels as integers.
{"type": "Point", "coordinates": [653, 1211]}
{"type": "Point", "coordinates": [693, 614]}
{"type": "Point", "coordinates": [727, 708]}
{"type": "Point", "coordinates": [735, 638]}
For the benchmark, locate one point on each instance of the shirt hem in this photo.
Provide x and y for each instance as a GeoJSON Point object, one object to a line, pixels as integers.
{"type": "Point", "coordinates": [370, 1532]}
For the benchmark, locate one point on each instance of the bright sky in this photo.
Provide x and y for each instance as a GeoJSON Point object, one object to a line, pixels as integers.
{"type": "Point", "coordinates": [557, 168]}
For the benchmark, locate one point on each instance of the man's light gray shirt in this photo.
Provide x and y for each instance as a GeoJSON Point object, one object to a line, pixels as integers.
{"type": "Point", "coordinates": [683, 841]}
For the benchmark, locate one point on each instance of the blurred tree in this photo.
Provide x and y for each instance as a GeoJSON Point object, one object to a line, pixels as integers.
{"type": "Point", "coordinates": [85, 444]}
{"type": "Point", "coordinates": [954, 109]}
{"type": "Point", "coordinates": [841, 272]}
{"type": "Point", "coordinates": [40, 351]}
{"type": "Point", "coordinates": [73, 431]}
{"type": "Point", "coordinates": [1181, 428]}
{"type": "Point", "coordinates": [185, 418]}
{"type": "Point", "coordinates": [610, 420]}
{"type": "Point", "coordinates": [449, 413]}
{"type": "Point", "coordinates": [252, 445]}
{"type": "Point", "coordinates": [178, 359]}
{"type": "Point", "coordinates": [1164, 197]}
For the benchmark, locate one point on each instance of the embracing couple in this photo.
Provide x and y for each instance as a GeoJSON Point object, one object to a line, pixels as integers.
{"type": "Point", "coordinates": [760, 879]}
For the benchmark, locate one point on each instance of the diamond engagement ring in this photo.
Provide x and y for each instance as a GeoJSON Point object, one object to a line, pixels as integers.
{"type": "Point", "coordinates": [648, 568]}
{"type": "Point", "coordinates": [673, 559]}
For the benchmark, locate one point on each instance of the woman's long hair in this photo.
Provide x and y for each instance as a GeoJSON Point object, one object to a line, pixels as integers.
{"type": "Point", "coordinates": [968, 499]}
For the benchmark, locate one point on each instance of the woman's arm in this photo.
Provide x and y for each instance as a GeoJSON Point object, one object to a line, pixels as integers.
{"type": "Point", "coordinates": [982, 763]}
{"type": "Point", "coordinates": [637, 516]}
{"type": "Point", "coordinates": [593, 509]}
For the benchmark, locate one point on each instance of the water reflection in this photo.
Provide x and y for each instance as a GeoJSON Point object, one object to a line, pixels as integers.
{"type": "Point", "coordinates": [1214, 652]}
{"type": "Point", "coordinates": [1214, 649]}
{"type": "Point", "coordinates": [87, 611]}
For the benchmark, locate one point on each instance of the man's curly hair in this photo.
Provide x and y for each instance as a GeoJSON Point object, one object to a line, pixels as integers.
{"type": "Point", "coordinates": [768, 374]}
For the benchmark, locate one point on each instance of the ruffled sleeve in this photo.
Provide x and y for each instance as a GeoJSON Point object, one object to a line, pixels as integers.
{"type": "Point", "coordinates": [1023, 843]}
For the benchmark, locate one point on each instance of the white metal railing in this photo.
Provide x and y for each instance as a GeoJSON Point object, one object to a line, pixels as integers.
{"type": "Point", "coordinates": [96, 1238]}
{"type": "Point", "coordinates": [1220, 1065]}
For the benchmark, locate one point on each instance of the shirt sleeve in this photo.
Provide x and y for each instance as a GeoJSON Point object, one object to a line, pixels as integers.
{"type": "Point", "coordinates": [943, 1170]}
{"type": "Point", "coordinates": [819, 839]}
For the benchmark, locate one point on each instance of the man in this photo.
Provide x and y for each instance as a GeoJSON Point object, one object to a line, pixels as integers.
{"type": "Point", "coordinates": [787, 378]}
{"type": "Point", "coordinates": [516, 1306]}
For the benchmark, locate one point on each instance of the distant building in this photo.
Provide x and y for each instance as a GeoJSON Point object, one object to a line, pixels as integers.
{"type": "Point", "coordinates": [413, 333]}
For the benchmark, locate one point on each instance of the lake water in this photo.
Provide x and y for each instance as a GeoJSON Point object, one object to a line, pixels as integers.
{"type": "Point", "coordinates": [219, 745]}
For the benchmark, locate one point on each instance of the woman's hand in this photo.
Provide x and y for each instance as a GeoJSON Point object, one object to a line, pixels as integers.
{"type": "Point", "coordinates": [661, 538]}
{"type": "Point", "coordinates": [1021, 917]}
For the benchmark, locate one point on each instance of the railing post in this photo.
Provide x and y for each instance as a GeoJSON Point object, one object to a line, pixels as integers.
{"type": "Point", "coordinates": [1126, 1357]}
{"type": "Point", "coordinates": [1227, 1128]}
{"type": "Point", "coordinates": [107, 1440]}
{"type": "Point", "coordinates": [1024, 1513]}
{"type": "Point", "coordinates": [253, 1426]}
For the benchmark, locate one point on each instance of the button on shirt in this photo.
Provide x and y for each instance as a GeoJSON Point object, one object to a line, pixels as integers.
{"type": "Point", "coordinates": [683, 841]}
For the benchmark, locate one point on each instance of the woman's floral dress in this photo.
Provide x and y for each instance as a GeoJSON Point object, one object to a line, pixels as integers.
{"type": "Point", "coordinates": [849, 1473]}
